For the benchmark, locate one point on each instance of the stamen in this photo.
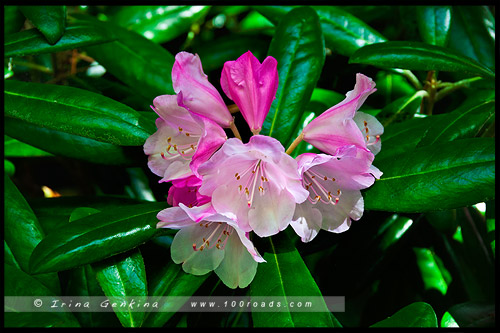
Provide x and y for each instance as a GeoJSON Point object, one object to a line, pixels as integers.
{"type": "Point", "coordinates": [318, 191]}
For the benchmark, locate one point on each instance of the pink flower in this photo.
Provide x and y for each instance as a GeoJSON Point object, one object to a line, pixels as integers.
{"type": "Point", "coordinates": [185, 191]}
{"type": "Point", "coordinates": [182, 142]}
{"type": "Point", "coordinates": [334, 184]}
{"type": "Point", "coordinates": [335, 127]}
{"type": "Point", "coordinates": [195, 92]}
{"type": "Point", "coordinates": [252, 86]}
{"type": "Point", "coordinates": [256, 184]}
{"type": "Point", "coordinates": [214, 244]}
{"type": "Point", "coordinates": [372, 129]}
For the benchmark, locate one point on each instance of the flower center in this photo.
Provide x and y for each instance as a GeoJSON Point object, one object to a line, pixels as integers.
{"type": "Point", "coordinates": [370, 139]}
{"type": "Point", "coordinates": [317, 185]}
{"type": "Point", "coordinates": [215, 230]}
{"type": "Point", "coordinates": [176, 148]}
{"type": "Point", "coordinates": [254, 174]}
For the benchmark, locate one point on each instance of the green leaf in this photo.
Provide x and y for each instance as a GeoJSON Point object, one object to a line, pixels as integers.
{"type": "Point", "coordinates": [465, 122]}
{"type": "Point", "coordinates": [299, 68]}
{"type": "Point", "coordinates": [16, 148]}
{"type": "Point", "coordinates": [22, 231]}
{"type": "Point", "coordinates": [441, 176]}
{"type": "Point", "coordinates": [96, 237]}
{"type": "Point", "coordinates": [418, 56]}
{"type": "Point", "coordinates": [18, 283]}
{"type": "Point", "coordinates": [284, 274]}
{"type": "Point", "coordinates": [474, 314]}
{"type": "Point", "coordinates": [402, 108]}
{"type": "Point", "coordinates": [344, 33]}
{"type": "Point", "coordinates": [31, 41]}
{"type": "Point", "coordinates": [74, 111]}
{"type": "Point", "coordinates": [418, 314]}
{"type": "Point", "coordinates": [50, 20]}
{"type": "Point", "coordinates": [473, 33]}
{"type": "Point", "coordinates": [9, 168]}
{"type": "Point", "coordinates": [138, 62]}
{"type": "Point", "coordinates": [123, 277]}
{"type": "Point", "coordinates": [171, 281]}
{"type": "Point", "coordinates": [434, 24]}
{"type": "Point", "coordinates": [159, 23]}
{"type": "Point", "coordinates": [13, 20]}
{"type": "Point", "coordinates": [432, 274]}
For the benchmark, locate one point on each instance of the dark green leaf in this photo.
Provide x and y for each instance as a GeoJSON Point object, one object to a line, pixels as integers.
{"type": "Point", "coordinates": [23, 232]}
{"type": "Point", "coordinates": [18, 283]}
{"type": "Point", "coordinates": [50, 20]}
{"type": "Point", "coordinates": [418, 314]}
{"type": "Point", "coordinates": [434, 24]}
{"type": "Point", "coordinates": [299, 68]}
{"type": "Point", "coordinates": [122, 277]}
{"type": "Point", "coordinates": [33, 42]}
{"type": "Point", "coordinates": [442, 176]}
{"type": "Point", "coordinates": [138, 62]}
{"type": "Point", "coordinates": [473, 33]}
{"type": "Point", "coordinates": [13, 20]}
{"type": "Point", "coordinates": [418, 56]}
{"type": "Point", "coordinates": [96, 237]}
{"type": "Point", "coordinates": [402, 108]}
{"type": "Point", "coordinates": [284, 274]}
{"type": "Point", "coordinates": [170, 281]}
{"type": "Point", "coordinates": [474, 314]}
{"type": "Point", "coordinates": [74, 111]}
{"type": "Point", "coordinates": [159, 23]}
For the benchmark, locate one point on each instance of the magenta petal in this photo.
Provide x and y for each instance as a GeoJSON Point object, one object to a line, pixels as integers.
{"type": "Point", "coordinates": [198, 94]}
{"type": "Point", "coordinates": [252, 86]}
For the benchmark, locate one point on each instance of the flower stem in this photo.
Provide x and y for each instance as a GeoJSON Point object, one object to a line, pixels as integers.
{"type": "Point", "coordinates": [235, 130]}
{"type": "Point", "coordinates": [295, 143]}
{"type": "Point", "coordinates": [450, 87]}
{"type": "Point", "coordinates": [233, 108]}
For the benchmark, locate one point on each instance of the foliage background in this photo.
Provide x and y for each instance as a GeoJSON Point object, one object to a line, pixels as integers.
{"type": "Point", "coordinates": [80, 203]}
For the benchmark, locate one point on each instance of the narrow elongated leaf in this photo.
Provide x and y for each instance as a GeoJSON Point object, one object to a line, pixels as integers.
{"type": "Point", "coordinates": [18, 283]}
{"type": "Point", "coordinates": [432, 275]}
{"type": "Point", "coordinates": [50, 20]}
{"type": "Point", "coordinates": [138, 62]}
{"type": "Point", "coordinates": [418, 56]}
{"type": "Point", "coordinates": [159, 23]}
{"type": "Point", "coordinates": [418, 314]}
{"type": "Point", "coordinates": [74, 111]}
{"type": "Point", "coordinates": [23, 232]}
{"type": "Point", "coordinates": [96, 237]}
{"type": "Point", "coordinates": [123, 277]}
{"type": "Point", "coordinates": [170, 280]}
{"type": "Point", "coordinates": [477, 40]}
{"type": "Point", "coordinates": [284, 274]}
{"type": "Point", "coordinates": [434, 24]}
{"type": "Point", "coordinates": [16, 148]}
{"type": "Point", "coordinates": [299, 68]}
{"type": "Point", "coordinates": [33, 42]}
{"type": "Point", "coordinates": [441, 176]}
{"type": "Point", "coordinates": [344, 33]}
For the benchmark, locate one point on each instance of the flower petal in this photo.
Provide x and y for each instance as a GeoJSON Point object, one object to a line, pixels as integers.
{"type": "Point", "coordinates": [306, 221]}
{"type": "Point", "coordinates": [337, 218]}
{"type": "Point", "coordinates": [372, 129]}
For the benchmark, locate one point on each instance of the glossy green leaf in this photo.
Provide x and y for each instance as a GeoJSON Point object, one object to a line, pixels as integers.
{"type": "Point", "coordinates": [13, 20]}
{"type": "Point", "coordinates": [16, 148]}
{"type": "Point", "coordinates": [122, 277]}
{"type": "Point", "coordinates": [465, 122]}
{"type": "Point", "coordinates": [299, 68]}
{"type": "Point", "coordinates": [448, 321]}
{"type": "Point", "coordinates": [159, 23]}
{"type": "Point", "coordinates": [434, 24]}
{"type": "Point", "coordinates": [442, 176]}
{"type": "Point", "coordinates": [432, 275]}
{"type": "Point", "coordinates": [344, 33]}
{"type": "Point", "coordinates": [9, 168]}
{"type": "Point", "coordinates": [96, 237]}
{"type": "Point", "coordinates": [74, 111]}
{"type": "Point", "coordinates": [22, 231]}
{"type": "Point", "coordinates": [476, 40]}
{"type": "Point", "coordinates": [50, 20]}
{"type": "Point", "coordinates": [402, 108]}
{"type": "Point", "coordinates": [418, 314]}
{"type": "Point", "coordinates": [170, 280]}
{"type": "Point", "coordinates": [138, 62]}
{"type": "Point", "coordinates": [474, 314]}
{"type": "Point", "coordinates": [490, 225]}
{"type": "Point", "coordinates": [284, 274]}
{"type": "Point", "coordinates": [418, 56]}
{"type": "Point", "coordinates": [255, 22]}
{"type": "Point", "coordinates": [33, 42]}
{"type": "Point", "coordinates": [18, 283]}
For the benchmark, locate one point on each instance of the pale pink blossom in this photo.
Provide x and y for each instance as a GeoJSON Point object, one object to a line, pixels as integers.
{"type": "Point", "coordinates": [256, 184]}
{"type": "Point", "coordinates": [195, 92]}
{"type": "Point", "coordinates": [215, 243]}
{"type": "Point", "coordinates": [372, 129]}
{"type": "Point", "coordinates": [334, 184]}
{"type": "Point", "coordinates": [182, 142]}
{"type": "Point", "coordinates": [252, 86]}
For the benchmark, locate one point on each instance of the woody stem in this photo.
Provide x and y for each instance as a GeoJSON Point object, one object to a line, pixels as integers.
{"type": "Point", "coordinates": [295, 143]}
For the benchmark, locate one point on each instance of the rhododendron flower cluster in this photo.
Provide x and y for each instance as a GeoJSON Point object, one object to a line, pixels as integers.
{"type": "Point", "coordinates": [224, 191]}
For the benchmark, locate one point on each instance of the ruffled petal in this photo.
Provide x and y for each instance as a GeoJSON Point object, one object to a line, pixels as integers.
{"type": "Point", "coordinates": [306, 221]}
